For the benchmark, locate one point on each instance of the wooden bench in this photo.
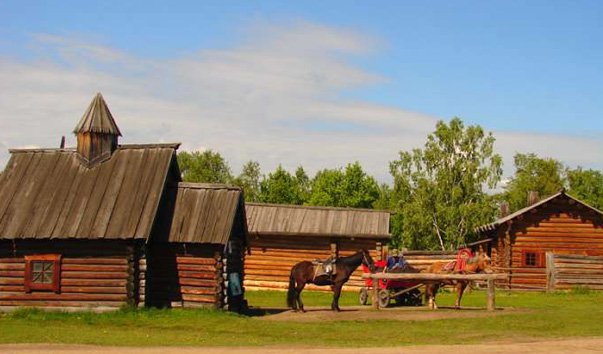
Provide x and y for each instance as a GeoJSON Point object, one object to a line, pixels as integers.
{"type": "Point", "coordinates": [433, 277]}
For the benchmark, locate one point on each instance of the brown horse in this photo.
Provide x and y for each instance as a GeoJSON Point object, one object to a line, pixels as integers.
{"type": "Point", "coordinates": [305, 272]}
{"type": "Point", "coordinates": [478, 264]}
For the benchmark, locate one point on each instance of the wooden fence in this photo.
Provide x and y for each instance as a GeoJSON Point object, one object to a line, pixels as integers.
{"type": "Point", "coordinates": [564, 271]}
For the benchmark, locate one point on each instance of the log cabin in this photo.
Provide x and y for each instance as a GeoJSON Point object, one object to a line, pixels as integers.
{"type": "Point", "coordinates": [77, 226]}
{"type": "Point", "coordinates": [560, 224]}
{"type": "Point", "coordinates": [282, 235]}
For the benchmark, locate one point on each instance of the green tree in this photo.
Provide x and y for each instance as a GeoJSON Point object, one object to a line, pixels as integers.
{"type": "Point", "coordinates": [206, 166]}
{"type": "Point", "coordinates": [586, 185]}
{"type": "Point", "coordinates": [438, 193]}
{"type": "Point", "coordinates": [281, 187]}
{"type": "Point", "coordinates": [249, 180]}
{"type": "Point", "coordinates": [349, 188]}
{"type": "Point", "coordinates": [532, 173]}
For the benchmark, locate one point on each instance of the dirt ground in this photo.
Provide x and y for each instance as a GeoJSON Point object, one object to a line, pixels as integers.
{"type": "Point", "coordinates": [360, 313]}
{"type": "Point", "coordinates": [574, 346]}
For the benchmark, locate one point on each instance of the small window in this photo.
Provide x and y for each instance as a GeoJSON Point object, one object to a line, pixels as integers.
{"type": "Point", "coordinates": [43, 273]}
{"type": "Point", "coordinates": [532, 259]}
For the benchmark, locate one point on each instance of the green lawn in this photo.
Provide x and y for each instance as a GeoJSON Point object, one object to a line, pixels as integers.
{"type": "Point", "coordinates": [550, 316]}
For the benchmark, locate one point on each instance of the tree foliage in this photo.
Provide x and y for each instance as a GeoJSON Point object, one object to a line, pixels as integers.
{"type": "Point", "coordinates": [532, 173]}
{"type": "Point", "coordinates": [586, 185]}
{"type": "Point", "coordinates": [439, 192]}
{"type": "Point", "coordinates": [206, 166]}
{"type": "Point", "coordinates": [281, 187]}
{"type": "Point", "coordinates": [351, 187]}
{"type": "Point", "coordinates": [249, 179]}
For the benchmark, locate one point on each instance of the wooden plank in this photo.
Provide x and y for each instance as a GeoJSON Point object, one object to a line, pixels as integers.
{"type": "Point", "coordinates": [13, 175]}
{"type": "Point", "coordinates": [94, 275]}
{"type": "Point", "coordinates": [105, 211]}
{"type": "Point", "coordinates": [11, 280]}
{"type": "Point", "coordinates": [155, 192]}
{"type": "Point", "coordinates": [71, 194]}
{"type": "Point", "coordinates": [21, 198]}
{"type": "Point", "coordinates": [94, 268]}
{"type": "Point", "coordinates": [41, 202]}
{"type": "Point", "coordinates": [63, 297]}
{"type": "Point", "coordinates": [141, 193]}
{"type": "Point", "coordinates": [96, 197]}
{"type": "Point", "coordinates": [435, 276]}
{"type": "Point", "coordinates": [93, 282]}
{"type": "Point", "coordinates": [78, 206]}
{"type": "Point", "coordinates": [95, 260]}
{"type": "Point", "coordinates": [123, 206]}
{"type": "Point", "coordinates": [121, 290]}
{"type": "Point", "coordinates": [194, 201]}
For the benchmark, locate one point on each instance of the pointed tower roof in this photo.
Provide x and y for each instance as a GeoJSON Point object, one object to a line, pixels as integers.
{"type": "Point", "coordinates": [97, 119]}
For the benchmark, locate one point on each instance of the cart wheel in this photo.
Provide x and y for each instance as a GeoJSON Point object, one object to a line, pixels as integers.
{"type": "Point", "coordinates": [383, 298]}
{"type": "Point", "coordinates": [363, 296]}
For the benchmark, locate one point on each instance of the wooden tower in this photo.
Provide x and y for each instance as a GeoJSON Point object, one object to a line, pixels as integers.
{"type": "Point", "coordinates": [96, 133]}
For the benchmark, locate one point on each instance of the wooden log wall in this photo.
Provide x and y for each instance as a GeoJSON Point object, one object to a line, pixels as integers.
{"type": "Point", "coordinates": [271, 259]}
{"type": "Point", "coordinates": [269, 265]}
{"type": "Point", "coordinates": [576, 230]}
{"type": "Point", "coordinates": [565, 271]}
{"type": "Point", "coordinates": [180, 275]}
{"type": "Point", "coordinates": [92, 275]}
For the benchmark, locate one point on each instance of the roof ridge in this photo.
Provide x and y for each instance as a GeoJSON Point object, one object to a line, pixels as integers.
{"type": "Point", "coordinates": [198, 185]}
{"type": "Point", "coordinates": [317, 207]}
{"type": "Point", "coordinates": [150, 145]}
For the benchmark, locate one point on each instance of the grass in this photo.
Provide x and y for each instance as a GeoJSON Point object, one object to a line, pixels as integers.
{"type": "Point", "coordinates": [574, 314]}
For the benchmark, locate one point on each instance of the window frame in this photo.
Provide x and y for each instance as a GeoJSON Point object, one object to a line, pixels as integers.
{"type": "Point", "coordinates": [539, 258]}
{"type": "Point", "coordinates": [55, 285]}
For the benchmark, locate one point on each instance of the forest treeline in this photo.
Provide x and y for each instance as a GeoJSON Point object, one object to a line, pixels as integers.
{"type": "Point", "coordinates": [440, 192]}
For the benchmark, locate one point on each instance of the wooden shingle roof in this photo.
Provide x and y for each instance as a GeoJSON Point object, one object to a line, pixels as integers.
{"type": "Point", "coordinates": [201, 213]}
{"type": "Point", "coordinates": [561, 194]}
{"type": "Point", "coordinates": [297, 220]}
{"type": "Point", "coordinates": [48, 193]}
{"type": "Point", "coordinates": [97, 119]}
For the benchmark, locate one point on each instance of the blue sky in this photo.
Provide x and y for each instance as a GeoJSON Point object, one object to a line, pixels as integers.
{"type": "Point", "coordinates": [528, 71]}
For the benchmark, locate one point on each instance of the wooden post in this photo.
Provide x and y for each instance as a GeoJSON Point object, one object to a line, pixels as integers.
{"type": "Point", "coordinates": [376, 293]}
{"type": "Point", "coordinates": [379, 249]}
{"type": "Point", "coordinates": [491, 304]}
{"type": "Point", "coordinates": [550, 271]}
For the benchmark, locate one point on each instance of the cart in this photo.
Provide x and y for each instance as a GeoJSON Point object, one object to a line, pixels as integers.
{"type": "Point", "coordinates": [405, 293]}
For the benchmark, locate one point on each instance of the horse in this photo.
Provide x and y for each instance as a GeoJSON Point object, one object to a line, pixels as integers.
{"type": "Point", "coordinates": [305, 272]}
{"type": "Point", "coordinates": [480, 263]}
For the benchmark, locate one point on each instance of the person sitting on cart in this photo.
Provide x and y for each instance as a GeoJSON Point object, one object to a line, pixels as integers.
{"type": "Point", "coordinates": [396, 261]}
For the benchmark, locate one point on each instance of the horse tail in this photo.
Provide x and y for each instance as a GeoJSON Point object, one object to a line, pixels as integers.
{"type": "Point", "coordinates": [291, 293]}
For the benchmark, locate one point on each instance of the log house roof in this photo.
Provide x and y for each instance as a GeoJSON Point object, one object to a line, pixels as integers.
{"type": "Point", "coordinates": [202, 213]}
{"type": "Point", "coordinates": [297, 220]}
{"type": "Point", "coordinates": [49, 194]}
{"type": "Point", "coordinates": [561, 194]}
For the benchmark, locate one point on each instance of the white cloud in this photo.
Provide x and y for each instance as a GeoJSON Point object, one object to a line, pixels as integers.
{"type": "Point", "coordinates": [275, 98]}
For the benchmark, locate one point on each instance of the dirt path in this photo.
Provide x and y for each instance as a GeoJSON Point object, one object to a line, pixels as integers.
{"type": "Point", "coordinates": [360, 313]}
{"type": "Point", "coordinates": [574, 346]}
